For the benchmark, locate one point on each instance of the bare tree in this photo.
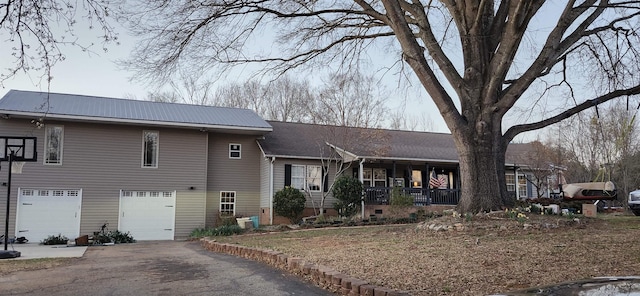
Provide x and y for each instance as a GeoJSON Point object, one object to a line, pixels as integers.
{"type": "Point", "coordinates": [36, 31]}
{"type": "Point", "coordinates": [283, 99]}
{"type": "Point", "coordinates": [475, 59]}
{"type": "Point", "coordinates": [350, 100]}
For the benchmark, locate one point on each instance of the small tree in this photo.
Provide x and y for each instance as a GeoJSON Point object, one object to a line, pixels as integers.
{"type": "Point", "coordinates": [289, 203]}
{"type": "Point", "coordinates": [348, 191]}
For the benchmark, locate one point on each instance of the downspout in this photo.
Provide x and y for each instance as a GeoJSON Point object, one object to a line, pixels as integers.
{"type": "Point", "coordinates": [273, 158]}
{"type": "Point", "coordinates": [360, 175]}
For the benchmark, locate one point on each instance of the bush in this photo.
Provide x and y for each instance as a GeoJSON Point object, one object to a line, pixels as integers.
{"type": "Point", "coordinates": [399, 198]}
{"type": "Point", "coordinates": [289, 203]}
{"type": "Point", "coordinates": [55, 240]}
{"type": "Point", "coordinates": [225, 230]}
{"type": "Point", "coordinates": [119, 237]}
{"type": "Point", "coordinates": [348, 191]}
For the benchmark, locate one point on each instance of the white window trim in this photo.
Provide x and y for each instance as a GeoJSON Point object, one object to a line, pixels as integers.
{"type": "Point", "coordinates": [46, 143]}
{"type": "Point", "coordinates": [239, 151]}
{"type": "Point", "coordinates": [235, 198]}
{"type": "Point", "coordinates": [157, 155]}
{"type": "Point", "coordinates": [306, 181]}
{"type": "Point", "coordinates": [303, 176]}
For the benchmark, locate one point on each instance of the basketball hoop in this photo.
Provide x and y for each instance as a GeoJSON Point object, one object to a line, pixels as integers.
{"type": "Point", "coordinates": [16, 167]}
{"type": "Point", "coordinates": [15, 150]}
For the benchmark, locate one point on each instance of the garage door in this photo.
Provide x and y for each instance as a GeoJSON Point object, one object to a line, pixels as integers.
{"type": "Point", "coordinates": [148, 215]}
{"type": "Point", "coordinates": [44, 212]}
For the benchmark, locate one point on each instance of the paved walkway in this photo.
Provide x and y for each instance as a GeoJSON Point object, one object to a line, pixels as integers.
{"type": "Point", "coordinates": [33, 251]}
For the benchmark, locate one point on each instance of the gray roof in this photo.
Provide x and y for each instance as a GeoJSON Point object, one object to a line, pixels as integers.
{"type": "Point", "coordinates": [91, 108]}
{"type": "Point", "coordinates": [300, 140]}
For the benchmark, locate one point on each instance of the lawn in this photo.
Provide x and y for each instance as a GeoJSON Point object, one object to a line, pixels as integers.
{"type": "Point", "coordinates": [480, 255]}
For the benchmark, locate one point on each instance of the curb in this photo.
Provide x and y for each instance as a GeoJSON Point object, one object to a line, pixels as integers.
{"type": "Point", "coordinates": [322, 276]}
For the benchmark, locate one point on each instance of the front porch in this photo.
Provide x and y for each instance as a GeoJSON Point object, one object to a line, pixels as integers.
{"type": "Point", "coordinates": [421, 196]}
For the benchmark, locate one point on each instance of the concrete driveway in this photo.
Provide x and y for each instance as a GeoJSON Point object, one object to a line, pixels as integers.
{"type": "Point", "coordinates": [157, 268]}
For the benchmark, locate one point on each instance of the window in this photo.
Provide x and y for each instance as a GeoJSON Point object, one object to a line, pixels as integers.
{"type": "Point", "coordinates": [374, 177]}
{"type": "Point", "coordinates": [416, 179]}
{"type": "Point", "coordinates": [366, 177]}
{"type": "Point", "coordinates": [53, 144]}
{"type": "Point", "coordinates": [150, 149]}
{"type": "Point", "coordinates": [314, 177]}
{"type": "Point", "coordinates": [228, 203]}
{"type": "Point", "coordinates": [511, 182]}
{"type": "Point", "coordinates": [522, 186]}
{"type": "Point", "coordinates": [380, 177]}
{"type": "Point", "coordinates": [235, 151]}
{"type": "Point", "coordinates": [297, 176]}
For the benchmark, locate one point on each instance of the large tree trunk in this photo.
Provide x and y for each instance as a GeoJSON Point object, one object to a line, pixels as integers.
{"type": "Point", "coordinates": [481, 172]}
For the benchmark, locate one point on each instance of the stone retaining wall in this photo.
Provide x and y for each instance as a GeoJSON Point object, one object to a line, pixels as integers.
{"type": "Point", "coordinates": [322, 276]}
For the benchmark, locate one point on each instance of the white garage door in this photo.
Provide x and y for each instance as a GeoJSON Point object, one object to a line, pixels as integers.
{"type": "Point", "coordinates": [148, 215]}
{"type": "Point", "coordinates": [44, 212]}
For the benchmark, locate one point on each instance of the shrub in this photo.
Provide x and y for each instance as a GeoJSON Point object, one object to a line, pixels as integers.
{"type": "Point", "coordinates": [226, 220]}
{"type": "Point", "coordinates": [348, 191]}
{"type": "Point", "coordinates": [119, 237]}
{"type": "Point", "coordinates": [225, 230]}
{"type": "Point", "coordinates": [55, 240]}
{"type": "Point", "coordinates": [399, 198]}
{"type": "Point", "coordinates": [289, 203]}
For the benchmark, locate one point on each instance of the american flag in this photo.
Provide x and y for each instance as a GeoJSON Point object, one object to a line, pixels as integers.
{"type": "Point", "coordinates": [434, 182]}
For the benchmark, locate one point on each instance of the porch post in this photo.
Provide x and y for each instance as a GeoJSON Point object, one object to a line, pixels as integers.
{"type": "Point", "coordinates": [427, 185]}
{"type": "Point", "coordinates": [393, 174]}
{"type": "Point", "coordinates": [515, 173]}
{"type": "Point", "coordinates": [361, 177]}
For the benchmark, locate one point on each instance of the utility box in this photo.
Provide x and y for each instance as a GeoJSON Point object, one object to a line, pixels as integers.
{"type": "Point", "coordinates": [589, 210]}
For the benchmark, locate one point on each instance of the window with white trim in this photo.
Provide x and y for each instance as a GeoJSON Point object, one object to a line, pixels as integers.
{"type": "Point", "coordinates": [228, 203]}
{"type": "Point", "coordinates": [511, 182]}
{"type": "Point", "coordinates": [53, 138]}
{"type": "Point", "coordinates": [235, 151]}
{"type": "Point", "coordinates": [522, 186]}
{"type": "Point", "coordinates": [298, 176]}
{"type": "Point", "coordinates": [150, 149]}
{"type": "Point", "coordinates": [314, 178]}
{"type": "Point", "coordinates": [374, 177]}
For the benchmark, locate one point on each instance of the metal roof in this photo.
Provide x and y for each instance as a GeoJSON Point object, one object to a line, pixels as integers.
{"type": "Point", "coordinates": [91, 108]}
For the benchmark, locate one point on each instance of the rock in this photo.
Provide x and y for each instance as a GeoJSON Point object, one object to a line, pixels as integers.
{"type": "Point", "coordinates": [527, 226]}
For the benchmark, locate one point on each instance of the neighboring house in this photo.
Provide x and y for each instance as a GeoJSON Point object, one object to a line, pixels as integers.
{"type": "Point", "coordinates": [158, 170]}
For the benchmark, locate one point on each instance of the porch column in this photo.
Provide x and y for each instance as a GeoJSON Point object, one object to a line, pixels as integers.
{"type": "Point", "coordinates": [515, 176]}
{"type": "Point", "coordinates": [427, 185]}
{"type": "Point", "coordinates": [393, 177]}
{"type": "Point", "coordinates": [361, 177]}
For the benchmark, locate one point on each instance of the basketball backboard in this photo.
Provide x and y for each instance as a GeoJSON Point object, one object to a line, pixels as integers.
{"type": "Point", "coordinates": [23, 148]}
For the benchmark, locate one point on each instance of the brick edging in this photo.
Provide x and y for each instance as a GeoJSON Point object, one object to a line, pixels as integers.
{"type": "Point", "coordinates": [322, 276]}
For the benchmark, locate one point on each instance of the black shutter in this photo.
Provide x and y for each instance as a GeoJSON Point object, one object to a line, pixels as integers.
{"type": "Point", "coordinates": [390, 175]}
{"type": "Point", "coordinates": [287, 175]}
{"type": "Point", "coordinates": [425, 179]}
{"type": "Point", "coordinates": [356, 173]}
{"type": "Point", "coordinates": [325, 179]}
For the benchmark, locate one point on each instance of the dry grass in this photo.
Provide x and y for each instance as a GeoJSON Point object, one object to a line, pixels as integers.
{"type": "Point", "coordinates": [490, 255]}
{"type": "Point", "coordinates": [8, 266]}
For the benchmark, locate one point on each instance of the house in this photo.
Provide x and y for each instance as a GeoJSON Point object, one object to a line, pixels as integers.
{"type": "Point", "coordinates": [309, 157]}
{"type": "Point", "coordinates": [157, 170]}
{"type": "Point", "coordinates": [160, 170]}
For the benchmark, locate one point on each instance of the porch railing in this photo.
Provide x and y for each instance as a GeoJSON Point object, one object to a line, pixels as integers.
{"type": "Point", "coordinates": [421, 196]}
